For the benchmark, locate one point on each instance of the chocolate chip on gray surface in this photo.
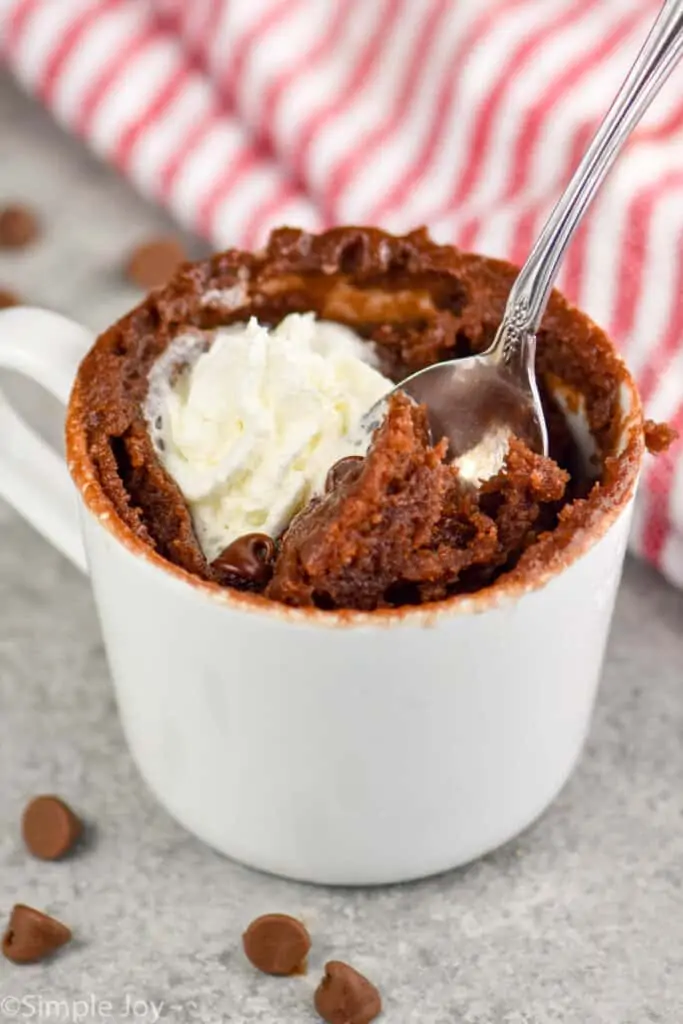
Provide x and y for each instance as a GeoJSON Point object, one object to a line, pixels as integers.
{"type": "Point", "coordinates": [18, 226]}
{"type": "Point", "coordinates": [32, 936]}
{"type": "Point", "coordinates": [8, 298]}
{"type": "Point", "coordinates": [346, 470]}
{"type": "Point", "coordinates": [152, 263]}
{"type": "Point", "coordinates": [277, 944]}
{"type": "Point", "coordinates": [249, 560]}
{"type": "Point", "coordinates": [50, 828]}
{"type": "Point", "coordinates": [346, 997]}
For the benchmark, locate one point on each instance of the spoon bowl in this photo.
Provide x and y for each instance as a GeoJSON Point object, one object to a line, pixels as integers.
{"type": "Point", "coordinates": [478, 404]}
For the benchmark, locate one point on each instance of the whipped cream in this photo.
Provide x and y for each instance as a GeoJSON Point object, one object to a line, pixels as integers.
{"type": "Point", "coordinates": [487, 458]}
{"type": "Point", "coordinates": [248, 419]}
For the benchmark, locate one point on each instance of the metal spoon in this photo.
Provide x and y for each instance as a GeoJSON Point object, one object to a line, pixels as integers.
{"type": "Point", "coordinates": [479, 402]}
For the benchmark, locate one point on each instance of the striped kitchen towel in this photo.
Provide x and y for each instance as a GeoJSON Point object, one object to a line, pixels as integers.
{"type": "Point", "coordinates": [466, 115]}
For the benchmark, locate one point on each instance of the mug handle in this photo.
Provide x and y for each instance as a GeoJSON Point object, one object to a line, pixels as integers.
{"type": "Point", "coordinates": [47, 348]}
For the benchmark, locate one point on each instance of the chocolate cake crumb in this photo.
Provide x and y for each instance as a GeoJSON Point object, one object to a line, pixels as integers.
{"type": "Point", "coordinates": [658, 436]}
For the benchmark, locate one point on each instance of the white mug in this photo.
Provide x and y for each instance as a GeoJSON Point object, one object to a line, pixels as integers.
{"type": "Point", "coordinates": [340, 748]}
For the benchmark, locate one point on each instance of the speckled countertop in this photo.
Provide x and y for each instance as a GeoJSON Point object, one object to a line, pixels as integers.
{"type": "Point", "coordinates": [579, 921]}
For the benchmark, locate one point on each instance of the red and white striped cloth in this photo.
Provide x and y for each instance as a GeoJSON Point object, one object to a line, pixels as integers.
{"type": "Point", "coordinates": [467, 115]}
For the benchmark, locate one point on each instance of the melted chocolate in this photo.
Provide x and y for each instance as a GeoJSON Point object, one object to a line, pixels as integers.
{"type": "Point", "coordinates": [247, 561]}
{"type": "Point", "coordinates": [346, 469]}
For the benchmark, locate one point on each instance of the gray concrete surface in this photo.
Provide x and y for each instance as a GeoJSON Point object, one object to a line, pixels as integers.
{"type": "Point", "coordinates": [580, 921]}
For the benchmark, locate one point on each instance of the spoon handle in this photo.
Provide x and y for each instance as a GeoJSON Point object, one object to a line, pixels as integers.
{"type": "Point", "coordinates": [515, 340]}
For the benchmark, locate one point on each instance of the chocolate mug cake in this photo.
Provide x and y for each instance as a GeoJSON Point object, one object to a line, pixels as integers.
{"type": "Point", "coordinates": [396, 526]}
{"type": "Point", "coordinates": [340, 666]}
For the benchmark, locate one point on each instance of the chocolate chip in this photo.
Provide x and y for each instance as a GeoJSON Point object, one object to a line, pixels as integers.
{"type": "Point", "coordinates": [18, 227]}
{"type": "Point", "coordinates": [345, 471]}
{"type": "Point", "coordinates": [32, 935]}
{"type": "Point", "coordinates": [346, 997]}
{"type": "Point", "coordinates": [50, 828]}
{"type": "Point", "coordinates": [249, 559]}
{"type": "Point", "coordinates": [8, 298]}
{"type": "Point", "coordinates": [153, 263]}
{"type": "Point", "coordinates": [277, 944]}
